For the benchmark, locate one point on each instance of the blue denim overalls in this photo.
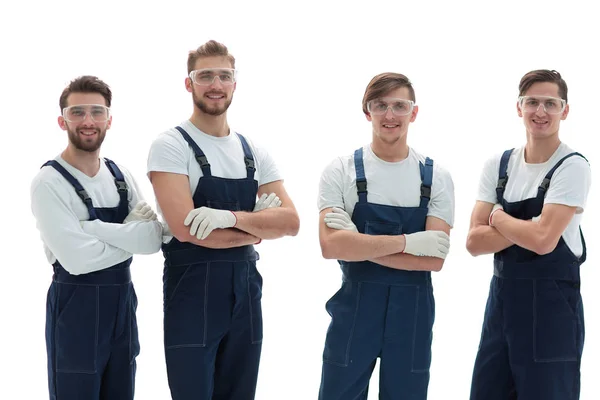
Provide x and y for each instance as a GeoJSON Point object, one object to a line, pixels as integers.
{"type": "Point", "coordinates": [533, 328]}
{"type": "Point", "coordinates": [91, 328]}
{"type": "Point", "coordinates": [212, 300]}
{"type": "Point", "coordinates": [380, 311]}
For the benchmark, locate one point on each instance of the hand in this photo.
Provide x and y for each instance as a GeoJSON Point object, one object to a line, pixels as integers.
{"type": "Point", "coordinates": [496, 207]}
{"type": "Point", "coordinates": [339, 219]}
{"type": "Point", "coordinates": [141, 212]}
{"type": "Point", "coordinates": [265, 201]}
{"type": "Point", "coordinates": [202, 221]}
{"type": "Point", "coordinates": [427, 243]}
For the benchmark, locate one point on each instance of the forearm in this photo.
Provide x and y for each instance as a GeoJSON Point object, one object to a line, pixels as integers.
{"type": "Point", "coordinates": [524, 233]}
{"type": "Point", "coordinates": [221, 239]}
{"type": "Point", "coordinates": [353, 246]}
{"type": "Point", "coordinates": [271, 223]}
{"type": "Point", "coordinates": [138, 237]}
{"type": "Point", "coordinates": [409, 262]}
{"type": "Point", "coordinates": [485, 239]}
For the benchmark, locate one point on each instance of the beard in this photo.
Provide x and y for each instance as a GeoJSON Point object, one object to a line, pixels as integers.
{"type": "Point", "coordinates": [83, 143]}
{"type": "Point", "coordinates": [205, 108]}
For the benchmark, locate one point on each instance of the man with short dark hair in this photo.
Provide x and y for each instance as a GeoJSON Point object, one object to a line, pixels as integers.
{"type": "Point", "coordinates": [92, 219]}
{"type": "Point", "coordinates": [528, 211]}
{"type": "Point", "coordinates": [385, 213]}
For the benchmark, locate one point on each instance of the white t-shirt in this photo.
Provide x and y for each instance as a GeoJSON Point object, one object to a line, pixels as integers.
{"type": "Point", "coordinates": [388, 183]}
{"type": "Point", "coordinates": [83, 247]}
{"type": "Point", "coordinates": [569, 185]}
{"type": "Point", "coordinates": [171, 153]}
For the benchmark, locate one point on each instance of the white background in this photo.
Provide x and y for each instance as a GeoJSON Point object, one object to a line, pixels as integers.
{"type": "Point", "coordinates": [303, 71]}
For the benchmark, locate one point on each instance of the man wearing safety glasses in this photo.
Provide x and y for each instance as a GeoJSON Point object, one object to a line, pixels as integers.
{"type": "Point", "coordinates": [528, 211]}
{"type": "Point", "coordinates": [385, 213]}
{"type": "Point", "coordinates": [91, 218]}
{"type": "Point", "coordinates": [206, 178]}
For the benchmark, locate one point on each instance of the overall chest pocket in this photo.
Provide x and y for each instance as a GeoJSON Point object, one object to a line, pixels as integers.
{"type": "Point", "coordinates": [383, 228]}
{"type": "Point", "coordinates": [223, 205]}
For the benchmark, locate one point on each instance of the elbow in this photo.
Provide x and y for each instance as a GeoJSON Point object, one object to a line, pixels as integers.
{"type": "Point", "coordinates": [545, 246]}
{"type": "Point", "coordinates": [437, 264]}
{"type": "Point", "coordinates": [327, 250]}
{"type": "Point", "coordinates": [295, 226]}
{"type": "Point", "coordinates": [472, 247]}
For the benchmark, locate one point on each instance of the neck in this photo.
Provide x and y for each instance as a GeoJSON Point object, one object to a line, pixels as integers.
{"type": "Point", "coordinates": [214, 125]}
{"type": "Point", "coordinates": [390, 152]}
{"type": "Point", "coordinates": [85, 161]}
{"type": "Point", "coordinates": [540, 150]}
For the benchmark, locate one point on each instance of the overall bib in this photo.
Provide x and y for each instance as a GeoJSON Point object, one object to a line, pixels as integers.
{"type": "Point", "coordinates": [380, 311]}
{"type": "Point", "coordinates": [91, 327]}
{"type": "Point", "coordinates": [212, 300]}
{"type": "Point", "coordinates": [533, 327]}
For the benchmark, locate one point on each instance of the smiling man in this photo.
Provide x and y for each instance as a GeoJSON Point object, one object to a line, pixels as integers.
{"type": "Point", "coordinates": [528, 212]}
{"type": "Point", "coordinates": [206, 179]}
{"type": "Point", "coordinates": [92, 219]}
{"type": "Point", "coordinates": [402, 208]}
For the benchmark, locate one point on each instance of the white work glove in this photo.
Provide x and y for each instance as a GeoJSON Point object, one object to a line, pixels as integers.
{"type": "Point", "coordinates": [339, 219]}
{"type": "Point", "coordinates": [202, 221]}
{"type": "Point", "coordinates": [141, 212]}
{"type": "Point", "coordinates": [496, 207]}
{"type": "Point", "coordinates": [265, 201]}
{"type": "Point", "coordinates": [427, 243]}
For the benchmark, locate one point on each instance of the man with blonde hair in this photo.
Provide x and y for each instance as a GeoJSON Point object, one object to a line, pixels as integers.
{"type": "Point", "coordinates": [206, 178]}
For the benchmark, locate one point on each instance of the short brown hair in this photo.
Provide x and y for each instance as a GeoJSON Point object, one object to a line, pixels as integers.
{"type": "Point", "coordinates": [385, 83]}
{"type": "Point", "coordinates": [85, 84]}
{"type": "Point", "coordinates": [211, 48]}
{"type": "Point", "coordinates": [543, 75]}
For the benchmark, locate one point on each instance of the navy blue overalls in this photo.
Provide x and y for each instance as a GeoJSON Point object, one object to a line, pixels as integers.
{"type": "Point", "coordinates": [212, 300]}
{"type": "Point", "coordinates": [380, 311]}
{"type": "Point", "coordinates": [91, 327]}
{"type": "Point", "coordinates": [533, 328]}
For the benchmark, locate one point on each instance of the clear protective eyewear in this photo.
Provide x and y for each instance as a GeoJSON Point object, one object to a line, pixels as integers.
{"type": "Point", "coordinates": [206, 76]}
{"type": "Point", "coordinates": [79, 112]}
{"type": "Point", "coordinates": [399, 107]}
{"type": "Point", "coordinates": [551, 105]}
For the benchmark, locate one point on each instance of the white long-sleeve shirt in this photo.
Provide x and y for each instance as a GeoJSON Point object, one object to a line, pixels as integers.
{"type": "Point", "coordinates": [83, 247]}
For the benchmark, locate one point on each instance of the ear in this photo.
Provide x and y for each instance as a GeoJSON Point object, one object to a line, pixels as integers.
{"type": "Point", "coordinates": [188, 84]}
{"type": "Point", "coordinates": [415, 111]}
{"type": "Point", "coordinates": [62, 123]}
{"type": "Point", "coordinates": [519, 111]}
{"type": "Point", "coordinates": [234, 86]}
{"type": "Point", "coordinates": [109, 123]}
{"type": "Point", "coordinates": [565, 113]}
{"type": "Point", "coordinates": [368, 115]}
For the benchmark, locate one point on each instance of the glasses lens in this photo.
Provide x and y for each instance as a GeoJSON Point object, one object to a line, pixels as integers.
{"type": "Point", "coordinates": [205, 77]}
{"type": "Point", "coordinates": [398, 106]}
{"type": "Point", "coordinates": [551, 105]}
{"type": "Point", "coordinates": [78, 113]}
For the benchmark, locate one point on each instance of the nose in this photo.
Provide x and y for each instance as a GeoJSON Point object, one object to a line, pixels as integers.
{"type": "Point", "coordinates": [389, 114]}
{"type": "Point", "coordinates": [215, 80]}
{"type": "Point", "coordinates": [87, 119]}
{"type": "Point", "coordinates": [543, 109]}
